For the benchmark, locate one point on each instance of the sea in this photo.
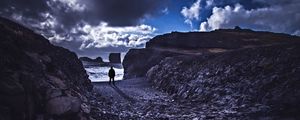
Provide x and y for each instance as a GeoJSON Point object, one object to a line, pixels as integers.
{"type": "Point", "coordinates": [100, 73]}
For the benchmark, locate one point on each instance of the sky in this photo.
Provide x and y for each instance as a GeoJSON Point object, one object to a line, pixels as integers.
{"type": "Point", "coordinates": [97, 27]}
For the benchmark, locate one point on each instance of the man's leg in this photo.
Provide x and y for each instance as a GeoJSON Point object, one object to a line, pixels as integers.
{"type": "Point", "coordinates": [109, 80]}
{"type": "Point", "coordinates": [113, 78]}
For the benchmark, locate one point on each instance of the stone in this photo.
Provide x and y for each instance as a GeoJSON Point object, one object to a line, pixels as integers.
{"type": "Point", "coordinates": [53, 93]}
{"type": "Point", "coordinates": [63, 105]}
{"type": "Point", "coordinates": [85, 108]}
{"type": "Point", "coordinates": [114, 57]}
{"type": "Point", "coordinates": [195, 118]}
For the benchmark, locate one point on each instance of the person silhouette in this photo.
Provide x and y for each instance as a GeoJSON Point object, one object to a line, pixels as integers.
{"type": "Point", "coordinates": [111, 74]}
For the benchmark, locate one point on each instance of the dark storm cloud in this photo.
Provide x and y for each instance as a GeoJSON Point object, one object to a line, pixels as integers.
{"type": "Point", "coordinates": [59, 16]}
{"type": "Point", "coordinates": [30, 8]}
{"type": "Point", "coordinates": [124, 12]}
{"type": "Point", "coordinates": [87, 26]}
{"type": "Point", "coordinates": [92, 52]}
{"type": "Point", "coordinates": [115, 12]}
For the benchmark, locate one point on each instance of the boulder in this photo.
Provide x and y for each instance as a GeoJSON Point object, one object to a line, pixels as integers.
{"type": "Point", "coordinates": [63, 105]}
{"type": "Point", "coordinates": [114, 57]}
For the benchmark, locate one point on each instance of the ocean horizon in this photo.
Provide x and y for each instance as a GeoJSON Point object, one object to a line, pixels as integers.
{"type": "Point", "coordinates": [99, 74]}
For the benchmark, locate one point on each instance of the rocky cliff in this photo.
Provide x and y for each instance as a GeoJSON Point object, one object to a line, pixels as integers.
{"type": "Point", "coordinates": [137, 62]}
{"type": "Point", "coordinates": [88, 62]}
{"type": "Point", "coordinates": [259, 82]}
{"type": "Point", "coordinates": [222, 39]}
{"type": "Point", "coordinates": [39, 80]}
{"type": "Point", "coordinates": [87, 59]}
{"type": "Point", "coordinates": [241, 73]}
{"type": "Point", "coordinates": [114, 57]}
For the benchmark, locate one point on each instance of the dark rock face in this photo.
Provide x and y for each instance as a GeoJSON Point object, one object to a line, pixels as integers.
{"type": "Point", "coordinates": [237, 72]}
{"type": "Point", "coordinates": [224, 38]}
{"type": "Point", "coordinates": [114, 57]}
{"type": "Point", "coordinates": [98, 59]}
{"type": "Point", "coordinates": [138, 61]}
{"type": "Point", "coordinates": [259, 82]}
{"type": "Point", "coordinates": [39, 80]}
{"type": "Point", "coordinates": [87, 59]}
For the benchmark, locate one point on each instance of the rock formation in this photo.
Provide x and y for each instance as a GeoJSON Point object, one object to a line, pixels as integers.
{"type": "Point", "coordinates": [222, 39]}
{"type": "Point", "coordinates": [87, 59]}
{"type": "Point", "coordinates": [39, 80]}
{"type": "Point", "coordinates": [87, 62]}
{"type": "Point", "coordinates": [137, 62]}
{"type": "Point", "coordinates": [254, 74]}
{"type": "Point", "coordinates": [263, 81]}
{"type": "Point", "coordinates": [114, 57]}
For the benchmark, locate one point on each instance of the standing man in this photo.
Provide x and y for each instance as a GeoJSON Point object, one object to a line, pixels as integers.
{"type": "Point", "coordinates": [111, 74]}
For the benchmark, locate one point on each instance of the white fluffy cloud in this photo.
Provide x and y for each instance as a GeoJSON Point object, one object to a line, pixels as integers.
{"type": "Point", "coordinates": [50, 21]}
{"type": "Point", "coordinates": [106, 36]}
{"type": "Point", "coordinates": [191, 13]}
{"type": "Point", "coordinates": [209, 3]}
{"type": "Point", "coordinates": [276, 17]}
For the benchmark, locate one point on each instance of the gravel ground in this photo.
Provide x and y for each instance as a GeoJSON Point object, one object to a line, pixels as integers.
{"type": "Point", "coordinates": [137, 99]}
